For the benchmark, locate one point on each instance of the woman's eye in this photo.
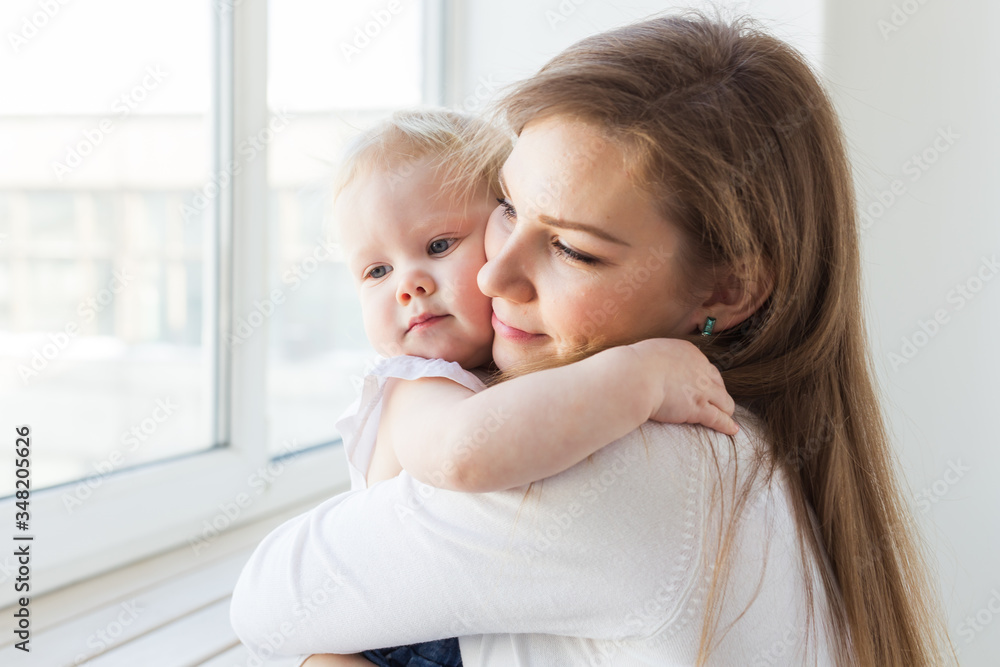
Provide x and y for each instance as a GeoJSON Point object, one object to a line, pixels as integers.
{"type": "Point", "coordinates": [439, 246]}
{"type": "Point", "coordinates": [377, 272]}
{"type": "Point", "coordinates": [508, 209]}
{"type": "Point", "coordinates": [566, 251]}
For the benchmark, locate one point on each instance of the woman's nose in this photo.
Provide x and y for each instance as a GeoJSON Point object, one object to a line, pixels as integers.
{"type": "Point", "coordinates": [415, 283]}
{"type": "Point", "coordinates": [504, 275]}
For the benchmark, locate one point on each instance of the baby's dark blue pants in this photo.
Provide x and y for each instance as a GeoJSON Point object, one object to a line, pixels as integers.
{"type": "Point", "coordinates": [438, 653]}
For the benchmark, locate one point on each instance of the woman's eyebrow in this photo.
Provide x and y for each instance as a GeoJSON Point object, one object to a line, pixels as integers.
{"type": "Point", "coordinates": [566, 224]}
{"type": "Point", "coordinates": [580, 227]}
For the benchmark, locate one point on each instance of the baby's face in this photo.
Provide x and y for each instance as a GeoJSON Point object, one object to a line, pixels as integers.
{"type": "Point", "coordinates": [414, 251]}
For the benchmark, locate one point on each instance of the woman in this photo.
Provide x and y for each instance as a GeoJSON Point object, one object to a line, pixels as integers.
{"type": "Point", "coordinates": [674, 178]}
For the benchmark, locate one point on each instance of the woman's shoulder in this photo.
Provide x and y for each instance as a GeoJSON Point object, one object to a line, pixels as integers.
{"type": "Point", "coordinates": [656, 466]}
{"type": "Point", "coordinates": [684, 465]}
{"type": "Point", "coordinates": [690, 442]}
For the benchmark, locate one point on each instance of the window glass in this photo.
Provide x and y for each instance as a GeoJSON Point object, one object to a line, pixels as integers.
{"type": "Point", "coordinates": [102, 280]}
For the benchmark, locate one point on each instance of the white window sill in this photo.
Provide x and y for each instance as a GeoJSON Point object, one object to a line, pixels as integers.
{"type": "Point", "coordinates": [167, 610]}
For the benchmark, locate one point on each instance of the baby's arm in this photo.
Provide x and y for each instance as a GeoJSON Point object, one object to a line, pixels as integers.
{"type": "Point", "coordinates": [542, 423]}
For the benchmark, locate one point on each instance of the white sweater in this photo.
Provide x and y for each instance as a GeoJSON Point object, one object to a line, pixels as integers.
{"type": "Point", "coordinates": [599, 565]}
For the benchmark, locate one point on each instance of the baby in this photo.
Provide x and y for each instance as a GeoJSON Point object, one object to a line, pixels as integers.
{"type": "Point", "coordinates": [411, 218]}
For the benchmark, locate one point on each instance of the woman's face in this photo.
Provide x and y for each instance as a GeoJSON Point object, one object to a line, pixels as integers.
{"type": "Point", "coordinates": [575, 251]}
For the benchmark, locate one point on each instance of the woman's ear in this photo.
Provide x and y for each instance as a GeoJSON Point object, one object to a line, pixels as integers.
{"type": "Point", "coordinates": [737, 294]}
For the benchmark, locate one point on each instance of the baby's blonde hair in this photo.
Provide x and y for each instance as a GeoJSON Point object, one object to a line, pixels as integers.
{"type": "Point", "coordinates": [466, 150]}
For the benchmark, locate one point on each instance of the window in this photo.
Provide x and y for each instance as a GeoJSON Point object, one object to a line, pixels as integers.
{"type": "Point", "coordinates": [102, 309]}
{"type": "Point", "coordinates": [316, 344]}
{"type": "Point", "coordinates": [150, 206]}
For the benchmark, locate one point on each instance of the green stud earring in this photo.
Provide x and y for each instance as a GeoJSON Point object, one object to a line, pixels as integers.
{"type": "Point", "coordinates": [709, 323]}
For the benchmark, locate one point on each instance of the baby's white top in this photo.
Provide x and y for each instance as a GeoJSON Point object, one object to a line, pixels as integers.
{"type": "Point", "coordinates": [601, 564]}
{"type": "Point", "coordinates": [358, 425]}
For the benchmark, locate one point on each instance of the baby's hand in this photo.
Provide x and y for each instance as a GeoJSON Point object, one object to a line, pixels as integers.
{"type": "Point", "coordinates": [692, 388]}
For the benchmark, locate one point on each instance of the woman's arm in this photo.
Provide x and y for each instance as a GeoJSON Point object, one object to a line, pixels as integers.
{"type": "Point", "coordinates": [404, 562]}
{"type": "Point", "coordinates": [540, 424]}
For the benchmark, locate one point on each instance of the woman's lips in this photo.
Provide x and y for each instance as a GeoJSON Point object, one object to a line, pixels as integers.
{"type": "Point", "coordinates": [510, 333]}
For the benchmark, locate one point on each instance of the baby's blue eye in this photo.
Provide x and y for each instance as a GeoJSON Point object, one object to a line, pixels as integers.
{"type": "Point", "coordinates": [378, 272]}
{"type": "Point", "coordinates": [439, 246]}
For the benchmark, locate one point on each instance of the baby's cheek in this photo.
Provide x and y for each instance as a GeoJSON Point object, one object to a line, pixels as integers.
{"type": "Point", "coordinates": [379, 331]}
{"type": "Point", "coordinates": [464, 292]}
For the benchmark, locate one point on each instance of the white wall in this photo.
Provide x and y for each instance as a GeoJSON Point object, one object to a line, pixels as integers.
{"type": "Point", "coordinates": [896, 93]}
{"type": "Point", "coordinates": [508, 41]}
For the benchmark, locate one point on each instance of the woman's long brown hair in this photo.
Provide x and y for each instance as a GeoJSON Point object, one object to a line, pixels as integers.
{"type": "Point", "coordinates": [734, 136]}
